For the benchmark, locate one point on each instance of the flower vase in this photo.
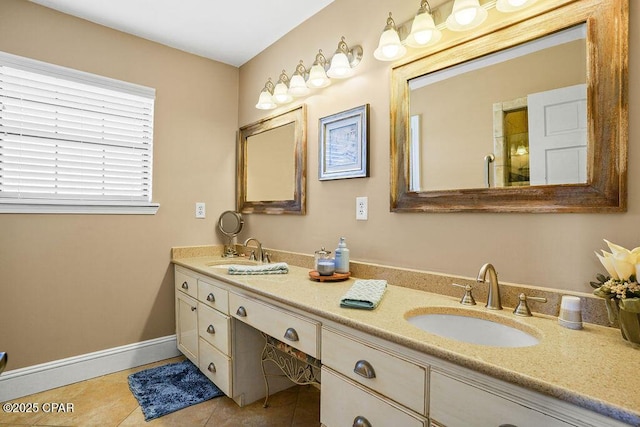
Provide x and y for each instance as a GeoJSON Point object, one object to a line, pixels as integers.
{"type": "Point", "coordinates": [627, 313]}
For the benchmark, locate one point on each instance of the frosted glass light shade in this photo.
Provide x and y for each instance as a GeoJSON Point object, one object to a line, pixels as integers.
{"type": "Point", "coordinates": [281, 94]}
{"type": "Point", "coordinates": [389, 48]}
{"type": "Point", "coordinates": [513, 5]}
{"type": "Point", "coordinates": [318, 77]}
{"type": "Point", "coordinates": [265, 102]}
{"type": "Point", "coordinates": [466, 15]}
{"type": "Point", "coordinates": [297, 86]}
{"type": "Point", "coordinates": [340, 67]}
{"type": "Point", "coordinates": [423, 31]}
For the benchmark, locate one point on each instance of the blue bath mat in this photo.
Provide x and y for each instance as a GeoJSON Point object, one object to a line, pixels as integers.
{"type": "Point", "coordinates": [171, 387]}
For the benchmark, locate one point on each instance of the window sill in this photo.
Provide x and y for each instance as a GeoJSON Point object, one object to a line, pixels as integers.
{"type": "Point", "coordinates": [48, 207]}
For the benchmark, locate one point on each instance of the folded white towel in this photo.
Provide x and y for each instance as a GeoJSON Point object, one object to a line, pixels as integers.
{"type": "Point", "coordinates": [273, 268]}
{"type": "Point", "coordinates": [364, 294]}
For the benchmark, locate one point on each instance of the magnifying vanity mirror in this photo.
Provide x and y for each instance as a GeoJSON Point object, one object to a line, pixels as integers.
{"type": "Point", "coordinates": [271, 164]}
{"type": "Point", "coordinates": [527, 118]}
{"type": "Point", "coordinates": [230, 224]}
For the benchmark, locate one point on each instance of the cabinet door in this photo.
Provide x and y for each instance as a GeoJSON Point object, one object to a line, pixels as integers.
{"type": "Point", "coordinates": [346, 403]}
{"type": "Point", "coordinates": [458, 404]}
{"type": "Point", "coordinates": [187, 325]}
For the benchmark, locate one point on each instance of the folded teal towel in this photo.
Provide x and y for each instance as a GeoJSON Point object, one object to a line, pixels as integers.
{"type": "Point", "coordinates": [365, 294]}
{"type": "Point", "coordinates": [274, 268]}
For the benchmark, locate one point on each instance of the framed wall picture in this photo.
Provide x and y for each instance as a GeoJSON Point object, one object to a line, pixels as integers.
{"type": "Point", "coordinates": [344, 145]}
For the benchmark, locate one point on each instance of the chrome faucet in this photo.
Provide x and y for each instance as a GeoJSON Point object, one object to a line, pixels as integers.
{"type": "Point", "coordinates": [493, 297]}
{"type": "Point", "coordinates": [258, 256]}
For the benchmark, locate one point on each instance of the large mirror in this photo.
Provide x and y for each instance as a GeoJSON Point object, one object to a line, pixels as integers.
{"type": "Point", "coordinates": [528, 118]}
{"type": "Point", "coordinates": [271, 164]}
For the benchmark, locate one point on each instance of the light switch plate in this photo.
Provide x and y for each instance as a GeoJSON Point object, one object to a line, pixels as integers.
{"type": "Point", "coordinates": [201, 210]}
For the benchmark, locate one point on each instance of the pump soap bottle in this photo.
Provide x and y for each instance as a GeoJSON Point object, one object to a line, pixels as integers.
{"type": "Point", "coordinates": [342, 257]}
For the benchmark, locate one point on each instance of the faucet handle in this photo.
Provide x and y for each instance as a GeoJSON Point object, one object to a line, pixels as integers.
{"type": "Point", "coordinates": [252, 257]}
{"type": "Point", "coordinates": [523, 308]}
{"type": "Point", "coordinates": [467, 299]}
{"type": "Point", "coordinates": [266, 257]}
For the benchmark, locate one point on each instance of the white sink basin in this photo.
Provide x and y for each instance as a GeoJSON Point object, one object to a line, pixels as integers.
{"type": "Point", "coordinates": [225, 263]}
{"type": "Point", "coordinates": [472, 330]}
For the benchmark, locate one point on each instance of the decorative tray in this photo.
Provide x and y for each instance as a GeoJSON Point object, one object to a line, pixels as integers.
{"type": "Point", "coordinates": [333, 278]}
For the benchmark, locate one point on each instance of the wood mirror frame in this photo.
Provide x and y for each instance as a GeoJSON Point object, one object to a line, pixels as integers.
{"type": "Point", "coordinates": [295, 205]}
{"type": "Point", "coordinates": [607, 24]}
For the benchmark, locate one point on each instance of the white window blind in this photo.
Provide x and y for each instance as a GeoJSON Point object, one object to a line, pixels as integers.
{"type": "Point", "coordinates": [73, 138]}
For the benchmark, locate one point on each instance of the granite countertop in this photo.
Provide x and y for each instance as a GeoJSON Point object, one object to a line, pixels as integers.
{"type": "Point", "coordinates": [592, 368]}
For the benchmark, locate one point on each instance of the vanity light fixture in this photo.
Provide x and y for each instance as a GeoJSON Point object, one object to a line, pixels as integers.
{"type": "Point", "coordinates": [466, 15]}
{"type": "Point", "coordinates": [265, 101]}
{"type": "Point", "coordinates": [318, 75]}
{"type": "Point", "coordinates": [513, 5]}
{"type": "Point", "coordinates": [423, 28]}
{"type": "Point", "coordinates": [340, 66]}
{"type": "Point", "coordinates": [344, 60]}
{"type": "Point", "coordinates": [281, 92]}
{"type": "Point", "coordinates": [297, 84]}
{"type": "Point", "coordinates": [389, 48]}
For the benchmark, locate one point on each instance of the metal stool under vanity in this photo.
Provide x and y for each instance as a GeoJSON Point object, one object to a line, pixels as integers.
{"type": "Point", "coordinates": [296, 365]}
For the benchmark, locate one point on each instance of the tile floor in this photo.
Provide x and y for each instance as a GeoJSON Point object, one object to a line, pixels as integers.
{"type": "Point", "coordinates": [106, 401]}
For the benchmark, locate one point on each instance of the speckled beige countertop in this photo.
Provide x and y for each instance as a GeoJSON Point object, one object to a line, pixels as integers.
{"type": "Point", "coordinates": [593, 368]}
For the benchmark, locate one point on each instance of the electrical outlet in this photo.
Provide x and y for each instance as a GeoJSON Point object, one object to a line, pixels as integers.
{"type": "Point", "coordinates": [200, 210]}
{"type": "Point", "coordinates": [362, 208]}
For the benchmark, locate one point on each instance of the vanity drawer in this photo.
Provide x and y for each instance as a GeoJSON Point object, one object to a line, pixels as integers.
{"type": "Point", "coordinates": [455, 403]}
{"type": "Point", "coordinates": [216, 366]}
{"type": "Point", "coordinates": [185, 283]}
{"type": "Point", "coordinates": [214, 296]}
{"type": "Point", "coordinates": [290, 328]}
{"type": "Point", "coordinates": [342, 401]}
{"type": "Point", "coordinates": [214, 327]}
{"type": "Point", "coordinates": [391, 376]}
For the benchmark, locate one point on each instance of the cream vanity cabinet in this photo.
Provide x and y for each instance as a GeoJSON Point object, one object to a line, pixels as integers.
{"type": "Point", "coordinates": [370, 382]}
{"type": "Point", "coordinates": [203, 326]}
{"type": "Point", "coordinates": [366, 381]}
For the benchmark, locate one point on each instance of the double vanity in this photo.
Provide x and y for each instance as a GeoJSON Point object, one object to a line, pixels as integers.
{"type": "Point", "coordinates": [382, 367]}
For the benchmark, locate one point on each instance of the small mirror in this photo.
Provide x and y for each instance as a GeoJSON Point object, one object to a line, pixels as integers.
{"type": "Point", "coordinates": [230, 224]}
{"type": "Point", "coordinates": [271, 169]}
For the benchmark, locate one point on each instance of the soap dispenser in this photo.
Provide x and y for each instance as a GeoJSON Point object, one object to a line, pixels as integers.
{"type": "Point", "coordinates": [342, 257]}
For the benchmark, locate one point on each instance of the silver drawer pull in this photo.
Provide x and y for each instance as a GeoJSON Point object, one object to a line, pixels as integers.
{"type": "Point", "coordinates": [211, 368]}
{"type": "Point", "coordinates": [211, 329]}
{"type": "Point", "coordinates": [364, 369]}
{"type": "Point", "coordinates": [185, 285]}
{"type": "Point", "coordinates": [361, 421]}
{"type": "Point", "coordinates": [291, 335]}
{"type": "Point", "coordinates": [194, 308]}
{"type": "Point", "coordinates": [211, 298]}
{"type": "Point", "coordinates": [242, 312]}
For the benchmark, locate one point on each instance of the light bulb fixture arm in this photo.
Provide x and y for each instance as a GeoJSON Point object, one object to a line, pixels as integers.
{"type": "Point", "coordinates": [284, 78]}
{"type": "Point", "coordinates": [301, 70]}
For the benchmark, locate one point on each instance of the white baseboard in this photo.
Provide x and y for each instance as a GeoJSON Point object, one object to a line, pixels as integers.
{"type": "Point", "coordinates": [34, 379]}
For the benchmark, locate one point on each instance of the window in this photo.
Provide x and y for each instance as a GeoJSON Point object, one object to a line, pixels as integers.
{"type": "Point", "coordinates": [73, 142]}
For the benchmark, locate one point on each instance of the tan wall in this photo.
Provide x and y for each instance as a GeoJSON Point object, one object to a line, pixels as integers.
{"type": "Point", "coordinates": [73, 284]}
{"type": "Point", "coordinates": [551, 250]}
